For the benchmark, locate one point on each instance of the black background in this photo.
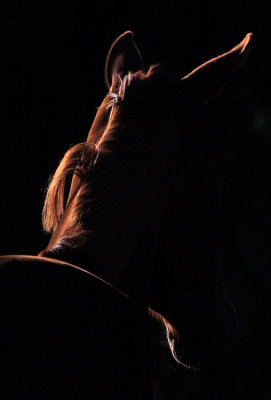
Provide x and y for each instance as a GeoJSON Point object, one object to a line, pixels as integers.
{"type": "Point", "coordinates": [52, 79]}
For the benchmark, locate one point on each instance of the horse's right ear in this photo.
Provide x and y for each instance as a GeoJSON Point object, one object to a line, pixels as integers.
{"type": "Point", "coordinates": [211, 76]}
{"type": "Point", "coordinates": [122, 57]}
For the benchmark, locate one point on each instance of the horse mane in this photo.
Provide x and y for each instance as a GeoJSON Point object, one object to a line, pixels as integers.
{"type": "Point", "coordinates": [81, 158]}
{"type": "Point", "coordinates": [77, 160]}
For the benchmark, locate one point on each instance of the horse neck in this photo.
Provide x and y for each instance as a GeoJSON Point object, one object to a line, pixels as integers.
{"type": "Point", "coordinates": [116, 206]}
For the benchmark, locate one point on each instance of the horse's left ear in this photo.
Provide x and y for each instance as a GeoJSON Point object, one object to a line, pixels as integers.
{"type": "Point", "coordinates": [209, 78]}
{"type": "Point", "coordinates": [122, 57]}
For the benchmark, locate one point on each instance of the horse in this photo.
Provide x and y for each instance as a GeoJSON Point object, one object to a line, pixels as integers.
{"type": "Point", "coordinates": [144, 212]}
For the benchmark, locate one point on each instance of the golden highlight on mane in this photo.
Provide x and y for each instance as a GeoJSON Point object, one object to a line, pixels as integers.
{"type": "Point", "coordinates": [80, 158]}
{"type": "Point", "coordinates": [77, 160]}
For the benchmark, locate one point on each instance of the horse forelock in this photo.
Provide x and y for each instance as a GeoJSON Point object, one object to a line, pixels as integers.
{"type": "Point", "coordinates": [136, 82]}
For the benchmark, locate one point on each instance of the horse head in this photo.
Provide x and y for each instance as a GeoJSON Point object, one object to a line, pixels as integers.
{"type": "Point", "coordinates": [144, 210]}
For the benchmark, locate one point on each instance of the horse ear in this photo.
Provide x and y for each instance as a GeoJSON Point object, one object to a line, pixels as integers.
{"type": "Point", "coordinates": [210, 77]}
{"type": "Point", "coordinates": [122, 57]}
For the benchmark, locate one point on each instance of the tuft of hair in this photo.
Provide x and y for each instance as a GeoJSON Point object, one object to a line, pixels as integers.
{"type": "Point", "coordinates": [173, 337]}
{"type": "Point", "coordinates": [77, 160]}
